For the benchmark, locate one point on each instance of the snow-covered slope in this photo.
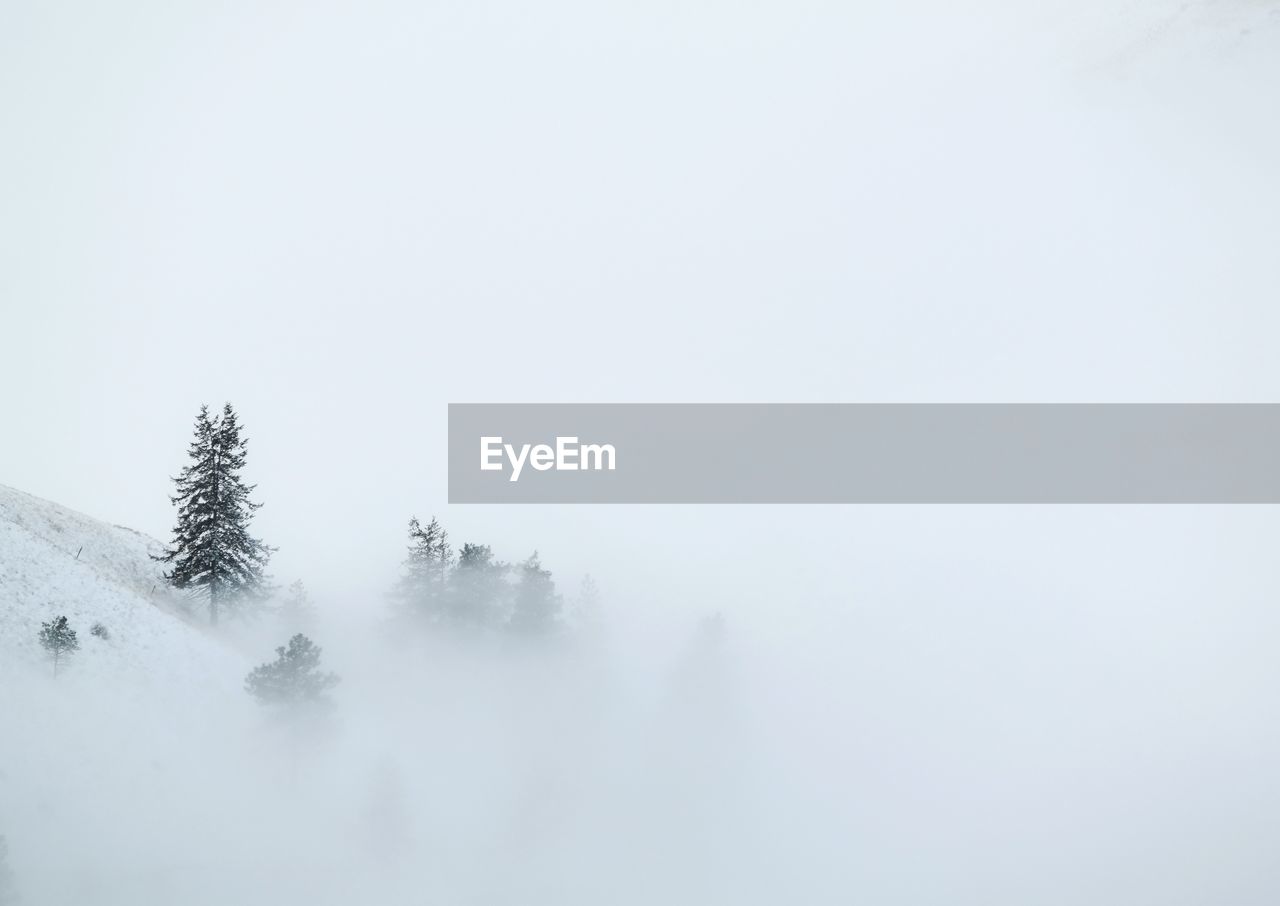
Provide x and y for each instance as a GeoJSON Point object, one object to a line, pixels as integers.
{"type": "Point", "coordinates": [55, 561]}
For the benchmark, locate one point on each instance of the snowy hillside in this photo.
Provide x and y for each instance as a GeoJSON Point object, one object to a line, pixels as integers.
{"type": "Point", "coordinates": [55, 561]}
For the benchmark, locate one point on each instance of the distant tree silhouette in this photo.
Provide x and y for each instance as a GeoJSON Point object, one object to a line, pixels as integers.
{"type": "Point", "coordinates": [297, 613]}
{"type": "Point", "coordinates": [586, 607]}
{"type": "Point", "coordinates": [478, 590]}
{"type": "Point", "coordinates": [537, 604]}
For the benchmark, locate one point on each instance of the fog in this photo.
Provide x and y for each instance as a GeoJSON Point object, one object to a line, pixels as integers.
{"type": "Point", "coordinates": [982, 724]}
{"type": "Point", "coordinates": [343, 217]}
{"type": "Point", "coordinates": [392, 207]}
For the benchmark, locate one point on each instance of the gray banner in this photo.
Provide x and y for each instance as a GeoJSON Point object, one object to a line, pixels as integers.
{"type": "Point", "coordinates": [836, 453]}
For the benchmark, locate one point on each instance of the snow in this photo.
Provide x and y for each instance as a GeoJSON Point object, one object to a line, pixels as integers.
{"type": "Point", "coordinates": [91, 762]}
{"type": "Point", "coordinates": [55, 561]}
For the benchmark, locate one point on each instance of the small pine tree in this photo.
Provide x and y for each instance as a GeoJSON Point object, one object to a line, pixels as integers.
{"type": "Point", "coordinates": [537, 603]}
{"type": "Point", "coordinates": [423, 586]}
{"type": "Point", "coordinates": [294, 679]}
{"type": "Point", "coordinates": [297, 613]}
{"type": "Point", "coordinates": [100, 631]}
{"type": "Point", "coordinates": [586, 607]}
{"type": "Point", "coordinates": [8, 893]}
{"type": "Point", "coordinates": [212, 548]}
{"type": "Point", "coordinates": [59, 640]}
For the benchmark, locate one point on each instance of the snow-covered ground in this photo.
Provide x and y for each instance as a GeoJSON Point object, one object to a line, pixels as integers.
{"type": "Point", "coordinates": [55, 561]}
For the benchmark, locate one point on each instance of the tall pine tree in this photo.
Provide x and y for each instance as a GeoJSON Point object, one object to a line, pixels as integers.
{"type": "Point", "coordinates": [426, 569]}
{"type": "Point", "coordinates": [212, 550]}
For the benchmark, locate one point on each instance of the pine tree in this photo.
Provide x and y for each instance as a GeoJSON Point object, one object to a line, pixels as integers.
{"type": "Point", "coordinates": [586, 607]}
{"type": "Point", "coordinates": [425, 580]}
{"type": "Point", "coordinates": [294, 678]}
{"type": "Point", "coordinates": [59, 640]}
{"type": "Point", "coordinates": [537, 603]}
{"type": "Point", "coordinates": [297, 613]}
{"type": "Point", "coordinates": [212, 548]}
{"type": "Point", "coordinates": [478, 590]}
{"type": "Point", "coordinates": [8, 894]}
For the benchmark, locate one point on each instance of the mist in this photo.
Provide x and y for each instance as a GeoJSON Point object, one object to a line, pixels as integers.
{"type": "Point", "coordinates": [971, 721]}
{"type": "Point", "coordinates": [391, 207]}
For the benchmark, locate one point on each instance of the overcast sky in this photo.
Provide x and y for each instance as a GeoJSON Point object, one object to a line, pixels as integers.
{"type": "Point", "coordinates": [343, 216]}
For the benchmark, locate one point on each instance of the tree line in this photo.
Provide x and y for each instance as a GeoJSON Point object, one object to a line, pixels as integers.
{"type": "Point", "coordinates": [215, 556]}
{"type": "Point", "coordinates": [469, 589]}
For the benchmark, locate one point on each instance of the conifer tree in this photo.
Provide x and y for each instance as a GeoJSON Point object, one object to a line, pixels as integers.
{"type": "Point", "coordinates": [294, 678]}
{"type": "Point", "coordinates": [586, 607]}
{"type": "Point", "coordinates": [537, 603]}
{"type": "Point", "coordinates": [59, 640]}
{"type": "Point", "coordinates": [297, 613]}
{"type": "Point", "coordinates": [212, 550]}
{"type": "Point", "coordinates": [478, 590]}
{"type": "Point", "coordinates": [425, 580]}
